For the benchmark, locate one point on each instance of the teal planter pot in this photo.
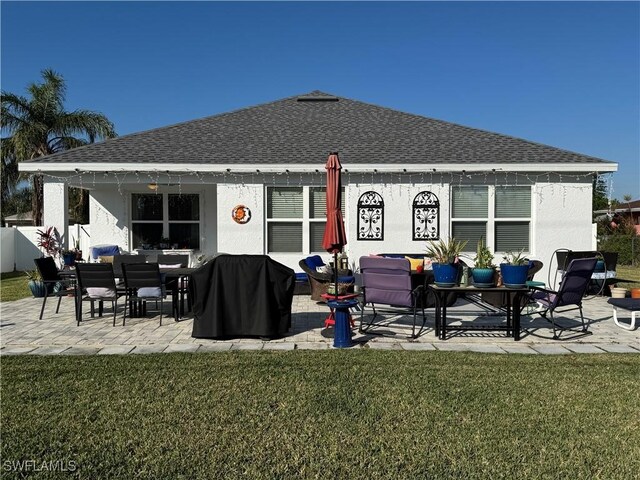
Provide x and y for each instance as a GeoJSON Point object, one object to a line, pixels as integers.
{"type": "Point", "coordinates": [483, 277]}
{"type": "Point", "coordinates": [514, 276]}
{"type": "Point", "coordinates": [38, 289]}
{"type": "Point", "coordinates": [445, 274]}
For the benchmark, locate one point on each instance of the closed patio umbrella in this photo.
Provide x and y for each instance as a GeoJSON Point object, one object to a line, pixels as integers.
{"type": "Point", "coordinates": [334, 235]}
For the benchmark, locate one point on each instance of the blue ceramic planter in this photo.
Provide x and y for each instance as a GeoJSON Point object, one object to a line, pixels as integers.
{"type": "Point", "coordinates": [38, 289]}
{"type": "Point", "coordinates": [483, 277]}
{"type": "Point", "coordinates": [69, 258]}
{"type": "Point", "coordinates": [514, 276]}
{"type": "Point", "coordinates": [445, 274]}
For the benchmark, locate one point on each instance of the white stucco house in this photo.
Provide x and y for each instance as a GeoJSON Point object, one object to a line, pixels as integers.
{"type": "Point", "coordinates": [406, 178]}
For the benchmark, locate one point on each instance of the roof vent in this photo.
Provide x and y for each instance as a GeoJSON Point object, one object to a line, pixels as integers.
{"type": "Point", "coordinates": [317, 98]}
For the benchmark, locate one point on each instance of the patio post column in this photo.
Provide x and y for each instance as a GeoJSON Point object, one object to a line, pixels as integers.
{"type": "Point", "coordinates": [56, 208]}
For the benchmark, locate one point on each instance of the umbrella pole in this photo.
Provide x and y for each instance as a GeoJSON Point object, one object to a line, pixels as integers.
{"type": "Point", "coordinates": [335, 273]}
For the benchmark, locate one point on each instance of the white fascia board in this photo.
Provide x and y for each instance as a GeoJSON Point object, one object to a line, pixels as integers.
{"type": "Point", "coordinates": [301, 168]}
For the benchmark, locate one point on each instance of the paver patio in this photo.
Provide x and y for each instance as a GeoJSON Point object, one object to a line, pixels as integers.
{"type": "Point", "coordinates": [22, 333]}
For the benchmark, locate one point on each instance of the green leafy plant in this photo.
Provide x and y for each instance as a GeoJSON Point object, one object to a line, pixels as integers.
{"type": "Point", "coordinates": [49, 241]}
{"type": "Point", "coordinates": [484, 257]}
{"type": "Point", "coordinates": [33, 275]}
{"type": "Point", "coordinates": [445, 251]}
{"type": "Point", "coordinates": [516, 258]}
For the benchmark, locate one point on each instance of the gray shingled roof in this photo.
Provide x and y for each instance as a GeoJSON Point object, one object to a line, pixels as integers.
{"type": "Point", "coordinates": [303, 129]}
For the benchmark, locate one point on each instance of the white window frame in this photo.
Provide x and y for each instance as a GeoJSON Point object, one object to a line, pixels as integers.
{"type": "Point", "coordinates": [166, 191]}
{"type": "Point", "coordinates": [491, 218]}
{"type": "Point", "coordinates": [306, 220]}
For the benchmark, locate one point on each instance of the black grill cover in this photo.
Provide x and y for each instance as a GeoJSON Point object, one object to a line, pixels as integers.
{"type": "Point", "coordinates": [241, 295]}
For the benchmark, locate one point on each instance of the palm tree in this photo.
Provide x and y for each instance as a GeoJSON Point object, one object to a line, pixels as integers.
{"type": "Point", "coordinates": [40, 125]}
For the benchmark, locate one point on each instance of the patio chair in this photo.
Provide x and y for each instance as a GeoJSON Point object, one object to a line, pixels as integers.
{"type": "Point", "coordinates": [98, 283]}
{"type": "Point", "coordinates": [54, 284]}
{"type": "Point", "coordinates": [573, 286]}
{"type": "Point", "coordinates": [177, 288]}
{"type": "Point", "coordinates": [318, 281]}
{"type": "Point", "coordinates": [387, 281]}
{"type": "Point", "coordinates": [632, 305]}
{"type": "Point", "coordinates": [120, 260]}
{"type": "Point", "coordinates": [142, 282]}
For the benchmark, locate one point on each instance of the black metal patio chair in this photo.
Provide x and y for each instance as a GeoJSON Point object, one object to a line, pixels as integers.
{"type": "Point", "coordinates": [573, 287]}
{"type": "Point", "coordinates": [55, 285]}
{"type": "Point", "coordinates": [97, 283]}
{"type": "Point", "coordinates": [142, 283]}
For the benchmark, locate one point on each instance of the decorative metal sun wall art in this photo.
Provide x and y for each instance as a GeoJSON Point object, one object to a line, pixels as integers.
{"type": "Point", "coordinates": [370, 216]}
{"type": "Point", "coordinates": [426, 217]}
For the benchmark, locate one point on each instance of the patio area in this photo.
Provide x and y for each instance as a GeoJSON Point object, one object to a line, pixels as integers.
{"type": "Point", "coordinates": [56, 334]}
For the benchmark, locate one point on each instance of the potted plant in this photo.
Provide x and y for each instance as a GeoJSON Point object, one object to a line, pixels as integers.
{"type": "Point", "coordinates": [165, 242]}
{"type": "Point", "coordinates": [76, 249]}
{"type": "Point", "coordinates": [515, 269]}
{"type": "Point", "coordinates": [445, 256]}
{"type": "Point", "coordinates": [68, 257]}
{"type": "Point", "coordinates": [483, 271]}
{"type": "Point", "coordinates": [35, 283]}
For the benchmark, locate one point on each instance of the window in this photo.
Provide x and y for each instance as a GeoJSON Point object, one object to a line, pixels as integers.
{"type": "Point", "coordinates": [296, 217]}
{"type": "Point", "coordinates": [499, 214]}
{"type": "Point", "coordinates": [156, 217]}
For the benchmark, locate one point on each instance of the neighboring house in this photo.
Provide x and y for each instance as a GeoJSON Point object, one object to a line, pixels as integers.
{"type": "Point", "coordinates": [18, 220]}
{"type": "Point", "coordinates": [625, 210]}
{"type": "Point", "coordinates": [406, 179]}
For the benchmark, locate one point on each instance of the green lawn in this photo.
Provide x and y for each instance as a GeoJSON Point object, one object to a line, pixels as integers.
{"type": "Point", "coordinates": [13, 286]}
{"type": "Point", "coordinates": [629, 273]}
{"type": "Point", "coordinates": [334, 414]}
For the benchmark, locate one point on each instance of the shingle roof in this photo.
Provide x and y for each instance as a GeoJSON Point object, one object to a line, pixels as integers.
{"type": "Point", "coordinates": [302, 129]}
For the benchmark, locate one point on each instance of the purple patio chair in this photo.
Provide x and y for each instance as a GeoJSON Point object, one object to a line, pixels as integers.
{"type": "Point", "coordinates": [387, 281]}
{"type": "Point", "coordinates": [573, 286]}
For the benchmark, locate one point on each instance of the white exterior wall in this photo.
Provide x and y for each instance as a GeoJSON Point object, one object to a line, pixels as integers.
{"type": "Point", "coordinates": [110, 216]}
{"type": "Point", "coordinates": [562, 219]}
{"type": "Point", "coordinates": [561, 215]}
{"type": "Point", "coordinates": [238, 238]}
{"type": "Point", "coordinates": [398, 212]}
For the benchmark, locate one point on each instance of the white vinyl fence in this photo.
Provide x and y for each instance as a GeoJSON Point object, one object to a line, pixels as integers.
{"type": "Point", "coordinates": [18, 245]}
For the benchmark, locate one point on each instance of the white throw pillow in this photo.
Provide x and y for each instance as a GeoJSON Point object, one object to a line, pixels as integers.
{"type": "Point", "coordinates": [155, 292]}
{"type": "Point", "coordinates": [101, 292]}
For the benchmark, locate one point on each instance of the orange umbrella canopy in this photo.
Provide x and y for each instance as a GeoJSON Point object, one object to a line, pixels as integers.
{"type": "Point", "coordinates": [334, 235]}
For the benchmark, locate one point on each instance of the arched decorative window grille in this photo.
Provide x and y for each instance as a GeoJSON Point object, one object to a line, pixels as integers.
{"type": "Point", "coordinates": [426, 217]}
{"type": "Point", "coordinates": [370, 216]}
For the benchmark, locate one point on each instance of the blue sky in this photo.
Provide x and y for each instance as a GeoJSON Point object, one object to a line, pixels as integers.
{"type": "Point", "coordinates": [564, 74]}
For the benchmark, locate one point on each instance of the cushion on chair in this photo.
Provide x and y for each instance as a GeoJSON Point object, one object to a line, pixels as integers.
{"type": "Point", "coordinates": [632, 304]}
{"type": "Point", "coordinates": [172, 265]}
{"type": "Point", "coordinates": [314, 261]}
{"type": "Point", "coordinates": [415, 262]}
{"type": "Point", "coordinates": [101, 292]}
{"type": "Point", "coordinates": [346, 279]}
{"type": "Point", "coordinates": [154, 292]}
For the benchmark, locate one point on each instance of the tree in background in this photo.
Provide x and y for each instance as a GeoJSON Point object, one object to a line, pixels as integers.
{"type": "Point", "coordinates": [600, 198]}
{"type": "Point", "coordinates": [39, 126]}
{"type": "Point", "coordinates": [618, 234]}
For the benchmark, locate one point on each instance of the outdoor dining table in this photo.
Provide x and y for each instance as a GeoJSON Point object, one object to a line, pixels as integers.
{"type": "Point", "coordinates": [513, 297]}
{"type": "Point", "coordinates": [179, 274]}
